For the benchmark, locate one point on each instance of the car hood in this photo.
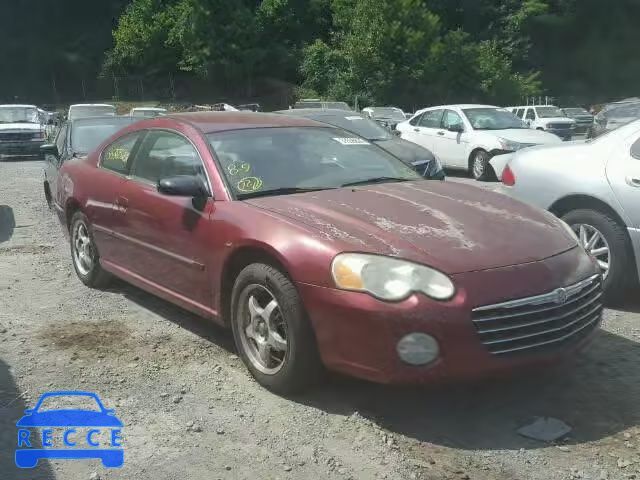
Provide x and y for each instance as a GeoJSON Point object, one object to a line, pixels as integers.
{"type": "Point", "coordinates": [450, 226]}
{"type": "Point", "coordinates": [527, 135]}
{"type": "Point", "coordinates": [69, 418]}
{"type": "Point", "coordinates": [556, 120]}
{"type": "Point", "coordinates": [404, 150]}
{"type": "Point", "coordinates": [18, 127]}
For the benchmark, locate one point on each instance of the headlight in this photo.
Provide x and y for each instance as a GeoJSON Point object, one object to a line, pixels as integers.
{"type": "Point", "coordinates": [569, 230]}
{"type": "Point", "coordinates": [510, 145]}
{"type": "Point", "coordinates": [389, 278]}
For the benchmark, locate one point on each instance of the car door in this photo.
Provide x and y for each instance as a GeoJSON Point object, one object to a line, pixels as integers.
{"type": "Point", "coordinates": [53, 163]}
{"type": "Point", "coordinates": [623, 172]}
{"type": "Point", "coordinates": [103, 208]}
{"type": "Point", "coordinates": [451, 145]}
{"type": "Point", "coordinates": [167, 235]}
{"type": "Point", "coordinates": [424, 131]}
{"type": "Point", "coordinates": [530, 117]}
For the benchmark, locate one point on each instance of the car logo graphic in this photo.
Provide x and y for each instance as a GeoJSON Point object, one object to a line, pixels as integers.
{"type": "Point", "coordinates": [561, 296]}
{"type": "Point", "coordinates": [69, 419]}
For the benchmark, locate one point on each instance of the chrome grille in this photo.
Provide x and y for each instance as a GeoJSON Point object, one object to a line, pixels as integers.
{"type": "Point", "coordinates": [544, 321]}
{"type": "Point", "coordinates": [16, 136]}
{"type": "Point", "coordinates": [560, 126]}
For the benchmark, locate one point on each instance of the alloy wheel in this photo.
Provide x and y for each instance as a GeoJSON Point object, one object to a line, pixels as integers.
{"type": "Point", "coordinates": [262, 329]}
{"type": "Point", "coordinates": [478, 165]}
{"type": "Point", "coordinates": [595, 244]}
{"type": "Point", "coordinates": [83, 251]}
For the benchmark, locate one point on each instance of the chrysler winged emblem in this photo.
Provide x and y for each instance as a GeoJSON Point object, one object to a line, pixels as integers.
{"type": "Point", "coordinates": [560, 296]}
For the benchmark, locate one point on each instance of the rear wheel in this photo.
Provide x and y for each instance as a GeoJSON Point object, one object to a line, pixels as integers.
{"type": "Point", "coordinates": [84, 253]}
{"type": "Point", "coordinates": [271, 330]}
{"type": "Point", "coordinates": [606, 240]}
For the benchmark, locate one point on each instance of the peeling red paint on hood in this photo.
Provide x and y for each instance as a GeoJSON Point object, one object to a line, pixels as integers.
{"type": "Point", "coordinates": [450, 226]}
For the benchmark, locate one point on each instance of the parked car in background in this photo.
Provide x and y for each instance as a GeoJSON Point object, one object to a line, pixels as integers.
{"type": "Point", "coordinates": [546, 117]}
{"type": "Point", "coordinates": [82, 110]}
{"type": "Point", "coordinates": [21, 131]}
{"type": "Point", "coordinates": [614, 115]}
{"type": "Point", "coordinates": [595, 188]}
{"type": "Point", "coordinates": [465, 137]}
{"type": "Point", "coordinates": [75, 139]}
{"type": "Point", "coordinates": [417, 157]}
{"type": "Point", "coordinates": [318, 248]}
{"type": "Point", "coordinates": [147, 112]}
{"type": "Point", "coordinates": [315, 103]}
{"type": "Point", "coordinates": [250, 107]}
{"type": "Point", "coordinates": [388, 117]}
{"type": "Point", "coordinates": [583, 119]}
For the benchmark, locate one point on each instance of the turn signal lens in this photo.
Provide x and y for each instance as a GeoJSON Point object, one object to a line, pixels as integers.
{"type": "Point", "coordinates": [346, 277]}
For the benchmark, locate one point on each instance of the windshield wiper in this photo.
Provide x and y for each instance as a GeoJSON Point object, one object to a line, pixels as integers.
{"type": "Point", "coordinates": [280, 191]}
{"type": "Point", "coordinates": [376, 180]}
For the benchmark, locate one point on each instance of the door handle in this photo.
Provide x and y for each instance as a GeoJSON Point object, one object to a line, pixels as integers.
{"type": "Point", "coordinates": [416, 129]}
{"type": "Point", "coordinates": [633, 181]}
{"type": "Point", "coordinates": [121, 204]}
{"type": "Point", "coordinates": [440, 133]}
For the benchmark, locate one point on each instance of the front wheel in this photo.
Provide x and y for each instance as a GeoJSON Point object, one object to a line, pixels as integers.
{"type": "Point", "coordinates": [480, 168]}
{"type": "Point", "coordinates": [84, 253]}
{"type": "Point", "coordinates": [605, 240]}
{"type": "Point", "coordinates": [271, 330]}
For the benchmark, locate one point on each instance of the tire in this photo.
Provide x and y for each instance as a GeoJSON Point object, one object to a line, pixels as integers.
{"type": "Point", "coordinates": [47, 196]}
{"type": "Point", "coordinates": [621, 272]}
{"type": "Point", "coordinates": [90, 273]}
{"type": "Point", "coordinates": [479, 166]}
{"type": "Point", "coordinates": [288, 369]}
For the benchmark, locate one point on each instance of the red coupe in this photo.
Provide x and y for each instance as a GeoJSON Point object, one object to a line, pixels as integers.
{"type": "Point", "coordinates": [320, 249]}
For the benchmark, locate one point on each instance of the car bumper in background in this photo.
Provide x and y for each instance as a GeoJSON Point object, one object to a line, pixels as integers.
{"type": "Point", "coordinates": [361, 336]}
{"type": "Point", "coordinates": [21, 149]}
{"type": "Point", "coordinates": [563, 133]}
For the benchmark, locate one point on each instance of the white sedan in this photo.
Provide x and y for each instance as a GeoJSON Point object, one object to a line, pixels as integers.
{"type": "Point", "coordinates": [466, 137]}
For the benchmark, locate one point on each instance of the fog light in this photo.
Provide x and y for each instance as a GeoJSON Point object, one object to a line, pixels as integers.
{"type": "Point", "coordinates": [418, 349]}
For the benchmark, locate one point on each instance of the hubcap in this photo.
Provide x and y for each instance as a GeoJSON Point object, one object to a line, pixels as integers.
{"type": "Point", "coordinates": [83, 253]}
{"type": "Point", "coordinates": [595, 244]}
{"type": "Point", "coordinates": [262, 329]}
{"type": "Point", "coordinates": [478, 165]}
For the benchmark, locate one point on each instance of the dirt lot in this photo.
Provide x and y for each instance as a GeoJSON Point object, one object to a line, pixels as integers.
{"type": "Point", "coordinates": [191, 411]}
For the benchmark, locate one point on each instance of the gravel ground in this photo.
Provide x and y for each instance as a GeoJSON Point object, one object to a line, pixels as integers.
{"type": "Point", "coordinates": [191, 411]}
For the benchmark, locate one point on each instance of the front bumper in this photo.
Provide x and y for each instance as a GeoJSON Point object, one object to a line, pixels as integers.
{"type": "Point", "coordinates": [21, 149]}
{"type": "Point", "coordinates": [358, 334]}
{"type": "Point", "coordinates": [564, 133]}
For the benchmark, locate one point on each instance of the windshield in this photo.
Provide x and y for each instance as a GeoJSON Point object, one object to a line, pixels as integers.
{"type": "Point", "coordinates": [625, 111]}
{"type": "Point", "coordinates": [83, 111]}
{"type": "Point", "coordinates": [364, 127]}
{"type": "Point", "coordinates": [388, 112]}
{"type": "Point", "coordinates": [88, 134]}
{"type": "Point", "coordinates": [576, 111]}
{"type": "Point", "coordinates": [549, 112]}
{"type": "Point", "coordinates": [259, 162]}
{"type": "Point", "coordinates": [19, 115]}
{"type": "Point", "coordinates": [492, 119]}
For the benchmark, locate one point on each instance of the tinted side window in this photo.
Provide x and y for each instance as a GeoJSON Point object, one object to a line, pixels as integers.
{"type": "Point", "coordinates": [431, 119]}
{"type": "Point", "coordinates": [451, 118]}
{"type": "Point", "coordinates": [116, 156]}
{"type": "Point", "coordinates": [635, 149]}
{"type": "Point", "coordinates": [61, 140]}
{"type": "Point", "coordinates": [531, 114]}
{"type": "Point", "coordinates": [167, 154]}
{"type": "Point", "coordinates": [520, 113]}
{"type": "Point", "coordinates": [415, 120]}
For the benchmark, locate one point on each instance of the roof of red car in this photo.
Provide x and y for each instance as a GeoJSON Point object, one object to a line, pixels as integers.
{"type": "Point", "coordinates": [210, 122]}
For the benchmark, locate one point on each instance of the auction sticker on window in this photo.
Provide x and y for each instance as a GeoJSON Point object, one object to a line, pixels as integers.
{"type": "Point", "coordinates": [351, 141]}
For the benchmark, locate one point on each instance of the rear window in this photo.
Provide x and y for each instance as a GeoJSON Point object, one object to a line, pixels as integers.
{"type": "Point", "coordinates": [87, 135]}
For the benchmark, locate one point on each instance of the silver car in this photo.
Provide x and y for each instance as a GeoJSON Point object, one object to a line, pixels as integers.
{"type": "Point", "coordinates": [595, 188]}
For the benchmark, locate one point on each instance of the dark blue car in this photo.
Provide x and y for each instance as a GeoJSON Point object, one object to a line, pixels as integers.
{"type": "Point", "coordinates": [69, 418]}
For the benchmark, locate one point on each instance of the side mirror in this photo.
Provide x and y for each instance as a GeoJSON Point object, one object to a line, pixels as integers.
{"type": "Point", "coordinates": [458, 128]}
{"type": "Point", "coordinates": [50, 149]}
{"type": "Point", "coordinates": [185, 186]}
